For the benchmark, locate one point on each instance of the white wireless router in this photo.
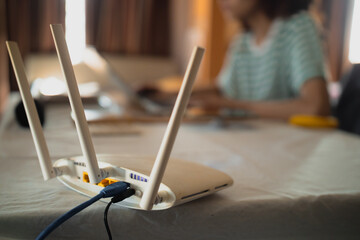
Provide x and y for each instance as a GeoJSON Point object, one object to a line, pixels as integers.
{"type": "Point", "coordinates": [155, 189]}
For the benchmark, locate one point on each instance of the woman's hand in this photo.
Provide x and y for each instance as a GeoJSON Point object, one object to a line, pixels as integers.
{"type": "Point", "coordinates": [313, 100]}
{"type": "Point", "coordinates": [215, 101]}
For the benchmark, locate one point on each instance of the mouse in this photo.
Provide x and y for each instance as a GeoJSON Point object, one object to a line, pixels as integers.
{"type": "Point", "coordinates": [20, 113]}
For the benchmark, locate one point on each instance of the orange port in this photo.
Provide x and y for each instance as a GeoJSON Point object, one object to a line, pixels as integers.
{"type": "Point", "coordinates": [105, 182]}
{"type": "Point", "coordinates": [86, 177]}
{"type": "Point", "coordinates": [111, 181]}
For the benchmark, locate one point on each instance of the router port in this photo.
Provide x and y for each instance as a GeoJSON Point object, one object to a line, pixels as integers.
{"type": "Point", "coordinates": [111, 181]}
{"type": "Point", "coordinates": [105, 182]}
{"type": "Point", "coordinates": [85, 177]}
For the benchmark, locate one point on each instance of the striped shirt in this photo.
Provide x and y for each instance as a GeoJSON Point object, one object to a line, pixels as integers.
{"type": "Point", "coordinates": [278, 68]}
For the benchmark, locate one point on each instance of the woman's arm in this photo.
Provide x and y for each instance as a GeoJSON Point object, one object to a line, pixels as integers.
{"type": "Point", "coordinates": [313, 100]}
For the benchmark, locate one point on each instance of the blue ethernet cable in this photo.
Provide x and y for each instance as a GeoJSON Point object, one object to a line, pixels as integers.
{"type": "Point", "coordinates": [117, 188]}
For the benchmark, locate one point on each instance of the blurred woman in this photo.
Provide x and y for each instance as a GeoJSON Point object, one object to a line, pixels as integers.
{"type": "Point", "coordinates": [275, 68]}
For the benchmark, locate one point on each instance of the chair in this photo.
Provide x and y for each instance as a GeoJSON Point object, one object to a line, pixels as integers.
{"type": "Point", "coordinates": [348, 107]}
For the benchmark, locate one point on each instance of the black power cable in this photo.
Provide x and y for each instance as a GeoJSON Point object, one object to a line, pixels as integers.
{"type": "Point", "coordinates": [127, 193]}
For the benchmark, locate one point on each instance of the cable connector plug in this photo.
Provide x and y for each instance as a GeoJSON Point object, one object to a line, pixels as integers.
{"type": "Point", "coordinates": [123, 195]}
{"type": "Point", "coordinates": [114, 189]}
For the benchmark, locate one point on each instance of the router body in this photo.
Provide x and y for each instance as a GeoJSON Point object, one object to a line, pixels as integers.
{"type": "Point", "coordinates": [183, 181]}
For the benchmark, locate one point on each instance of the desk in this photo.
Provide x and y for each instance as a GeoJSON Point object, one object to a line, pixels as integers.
{"type": "Point", "coordinates": [289, 183]}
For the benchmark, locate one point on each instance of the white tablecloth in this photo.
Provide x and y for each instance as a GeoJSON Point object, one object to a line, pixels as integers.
{"type": "Point", "coordinates": [289, 183]}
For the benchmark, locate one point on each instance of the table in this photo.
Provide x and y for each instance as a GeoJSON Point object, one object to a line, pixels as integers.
{"type": "Point", "coordinates": [289, 183]}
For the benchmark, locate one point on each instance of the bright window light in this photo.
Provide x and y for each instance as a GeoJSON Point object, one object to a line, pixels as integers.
{"type": "Point", "coordinates": [75, 29]}
{"type": "Point", "coordinates": [354, 48]}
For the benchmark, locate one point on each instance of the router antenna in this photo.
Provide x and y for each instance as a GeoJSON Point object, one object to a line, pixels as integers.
{"type": "Point", "coordinates": [168, 140]}
{"type": "Point", "coordinates": [76, 104]}
{"type": "Point", "coordinates": [31, 112]}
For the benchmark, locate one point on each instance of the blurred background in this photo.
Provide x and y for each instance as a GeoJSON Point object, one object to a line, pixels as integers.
{"type": "Point", "coordinates": [145, 41]}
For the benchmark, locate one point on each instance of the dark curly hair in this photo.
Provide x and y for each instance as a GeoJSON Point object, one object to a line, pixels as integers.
{"type": "Point", "coordinates": [280, 8]}
{"type": "Point", "coordinates": [283, 8]}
